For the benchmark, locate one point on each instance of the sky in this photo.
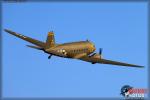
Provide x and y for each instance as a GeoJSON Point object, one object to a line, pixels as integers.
{"type": "Point", "coordinates": [119, 28]}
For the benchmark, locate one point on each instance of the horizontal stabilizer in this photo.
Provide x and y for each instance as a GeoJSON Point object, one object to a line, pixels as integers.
{"type": "Point", "coordinates": [35, 47]}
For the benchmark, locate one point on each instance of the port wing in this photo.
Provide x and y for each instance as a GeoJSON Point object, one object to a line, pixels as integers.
{"type": "Point", "coordinates": [31, 40]}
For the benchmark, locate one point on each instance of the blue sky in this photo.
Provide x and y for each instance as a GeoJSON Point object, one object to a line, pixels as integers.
{"type": "Point", "coordinates": [119, 28]}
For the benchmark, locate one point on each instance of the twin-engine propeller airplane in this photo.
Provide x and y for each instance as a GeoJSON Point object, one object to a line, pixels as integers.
{"type": "Point", "coordinates": [82, 50]}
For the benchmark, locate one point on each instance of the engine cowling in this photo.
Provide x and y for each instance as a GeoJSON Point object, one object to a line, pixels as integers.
{"type": "Point", "coordinates": [97, 56]}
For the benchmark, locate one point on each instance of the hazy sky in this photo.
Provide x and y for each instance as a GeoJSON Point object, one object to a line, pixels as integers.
{"type": "Point", "coordinates": [119, 28]}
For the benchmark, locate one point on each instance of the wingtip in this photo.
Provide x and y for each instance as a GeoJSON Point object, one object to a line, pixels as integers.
{"type": "Point", "coordinates": [7, 30]}
{"type": "Point", "coordinates": [141, 66]}
{"type": "Point", "coordinates": [10, 32]}
{"type": "Point", "coordinates": [138, 66]}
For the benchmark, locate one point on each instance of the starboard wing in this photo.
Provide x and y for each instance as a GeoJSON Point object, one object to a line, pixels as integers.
{"type": "Point", "coordinates": [105, 61]}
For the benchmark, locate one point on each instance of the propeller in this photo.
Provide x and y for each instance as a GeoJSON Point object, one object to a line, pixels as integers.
{"type": "Point", "coordinates": [100, 51]}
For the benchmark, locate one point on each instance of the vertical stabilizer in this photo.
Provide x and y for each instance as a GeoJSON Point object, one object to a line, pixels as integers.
{"type": "Point", "coordinates": [50, 42]}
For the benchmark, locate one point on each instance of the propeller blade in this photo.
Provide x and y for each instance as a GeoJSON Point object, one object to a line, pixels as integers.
{"type": "Point", "coordinates": [100, 51]}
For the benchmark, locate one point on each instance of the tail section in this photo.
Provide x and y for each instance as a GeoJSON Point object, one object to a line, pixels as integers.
{"type": "Point", "coordinates": [50, 42]}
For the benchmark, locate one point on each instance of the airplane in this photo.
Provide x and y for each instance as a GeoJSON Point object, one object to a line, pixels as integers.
{"type": "Point", "coordinates": [82, 50]}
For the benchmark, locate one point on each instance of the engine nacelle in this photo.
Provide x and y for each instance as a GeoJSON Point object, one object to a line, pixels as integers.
{"type": "Point", "coordinates": [97, 56]}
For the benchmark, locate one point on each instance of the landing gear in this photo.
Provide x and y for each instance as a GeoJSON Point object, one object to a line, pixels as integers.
{"type": "Point", "coordinates": [93, 62]}
{"type": "Point", "coordinates": [49, 56]}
